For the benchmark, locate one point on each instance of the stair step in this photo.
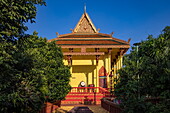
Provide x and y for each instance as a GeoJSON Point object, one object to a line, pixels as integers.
{"type": "Point", "coordinates": [75, 102]}
{"type": "Point", "coordinates": [82, 98]}
{"type": "Point", "coordinates": [79, 100]}
{"type": "Point", "coordinates": [84, 95]}
{"type": "Point", "coordinates": [74, 98]}
{"type": "Point", "coordinates": [68, 102]}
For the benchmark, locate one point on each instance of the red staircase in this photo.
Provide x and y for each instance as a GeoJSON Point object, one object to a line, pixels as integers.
{"type": "Point", "coordinates": [85, 95]}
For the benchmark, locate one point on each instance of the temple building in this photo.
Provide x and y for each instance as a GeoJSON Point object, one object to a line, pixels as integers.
{"type": "Point", "coordinates": [92, 56]}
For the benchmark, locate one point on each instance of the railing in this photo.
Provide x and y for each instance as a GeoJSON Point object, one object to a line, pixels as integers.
{"type": "Point", "coordinates": [110, 106]}
{"type": "Point", "coordinates": [50, 107]}
{"type": "Point", "coordinates": [83, 89]}
{"type": "Point", "coordinates": [104, 91]}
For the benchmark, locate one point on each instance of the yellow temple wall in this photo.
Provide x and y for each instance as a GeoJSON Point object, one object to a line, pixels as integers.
{"type": "Point", "coordinates": [83, 69]}
{"type": "Point", "coordinates": [116, 66]}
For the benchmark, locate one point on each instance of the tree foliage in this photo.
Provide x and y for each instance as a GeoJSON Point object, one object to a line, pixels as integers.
{"type": "Point", "coordinates": [32, 69]}
{"type": "Point", "coordinates": [48, 60]}
{"type": "Point", "coordinates": [19, 88]}
{"type": "Point", "coordinates": [14, 14]}
{"type": "Point", "coordinates": [146, 74]}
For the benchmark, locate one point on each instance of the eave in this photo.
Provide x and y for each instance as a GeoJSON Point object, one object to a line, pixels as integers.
{"type": "Point", "coordinates": [95, 46]}
{"type": "Point", "coordinates": [83, 53]}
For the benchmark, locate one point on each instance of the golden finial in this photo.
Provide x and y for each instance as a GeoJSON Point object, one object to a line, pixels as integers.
{"type": "Point", "coordinates": [57, 34]}
{"type": "Point", "coordinates": [72, 30]}
{"type": "Point", "coordinates": [85, 8]}
{"type": "Point", "coordinates": [111, 33]}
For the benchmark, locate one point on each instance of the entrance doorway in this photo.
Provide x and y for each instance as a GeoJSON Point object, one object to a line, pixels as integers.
{"type": "Point", "coordinates": [103, 77]}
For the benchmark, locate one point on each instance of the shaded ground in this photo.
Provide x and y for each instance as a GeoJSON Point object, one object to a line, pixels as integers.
{"type": "Point", "coordinates": [93, 108]}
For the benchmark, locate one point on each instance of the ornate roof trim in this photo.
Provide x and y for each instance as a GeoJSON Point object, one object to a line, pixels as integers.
{"type": "Point", "coordinates": [83, 53]}
{"type": "Point", "coordinates": [95, 46]}
{"type": "Point", "coordinates": [85, 25]}
{"type": "Point", "coordinates": [74, 34]}
{"type": "Point", "coordinates": [85, 39]}
{"type": "Point", "coordinates": [91, 41]}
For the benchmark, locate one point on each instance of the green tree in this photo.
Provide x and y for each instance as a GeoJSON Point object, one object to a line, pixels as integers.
{"type": "Point", "coordinates": [13, 16]}
{"type": "Point", "coordinates": [128, 87]}
{"type": "Point", "coordinates": [146, 74]}
{"type": "Point", "coordinates": [19, 82]}
{"type": "Point", "coordinates": [156, 75]}
{"type": "Point", "coordinates": [17, 85]}
{"type": "Point", "coordinates": [31, 68]}
{"type": "Point", "coordinates": [49, 62]}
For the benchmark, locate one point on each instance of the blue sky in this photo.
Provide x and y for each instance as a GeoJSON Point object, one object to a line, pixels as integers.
{"type": "Point", "coordinates": [135, 19]}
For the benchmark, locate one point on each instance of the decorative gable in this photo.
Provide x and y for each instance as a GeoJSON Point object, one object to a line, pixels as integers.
{"type": "Point", "coordinates": [85, 25]}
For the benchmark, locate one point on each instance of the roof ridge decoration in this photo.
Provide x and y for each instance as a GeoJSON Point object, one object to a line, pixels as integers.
{"type": "Point", "coordinates": [85, 25]}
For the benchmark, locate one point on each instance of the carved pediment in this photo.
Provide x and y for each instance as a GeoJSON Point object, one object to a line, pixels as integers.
{"type": "Point", "coordinates": [85, 25]}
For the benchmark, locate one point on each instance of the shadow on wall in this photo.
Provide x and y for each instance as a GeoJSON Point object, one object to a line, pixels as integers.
{"type": "Point", "coordinates": [86, 70]}
{"type": "Point", "coordinates": [83, 68]}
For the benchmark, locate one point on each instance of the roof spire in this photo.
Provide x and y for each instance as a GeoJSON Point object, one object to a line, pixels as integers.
{"type": "Point", "coordinates": [85, 24]}
{"type": "Point", "coordinates": [84, 7]}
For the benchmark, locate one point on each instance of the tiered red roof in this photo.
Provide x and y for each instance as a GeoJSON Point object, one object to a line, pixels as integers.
{"type": "Point", "coordinates": [85, 34]}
